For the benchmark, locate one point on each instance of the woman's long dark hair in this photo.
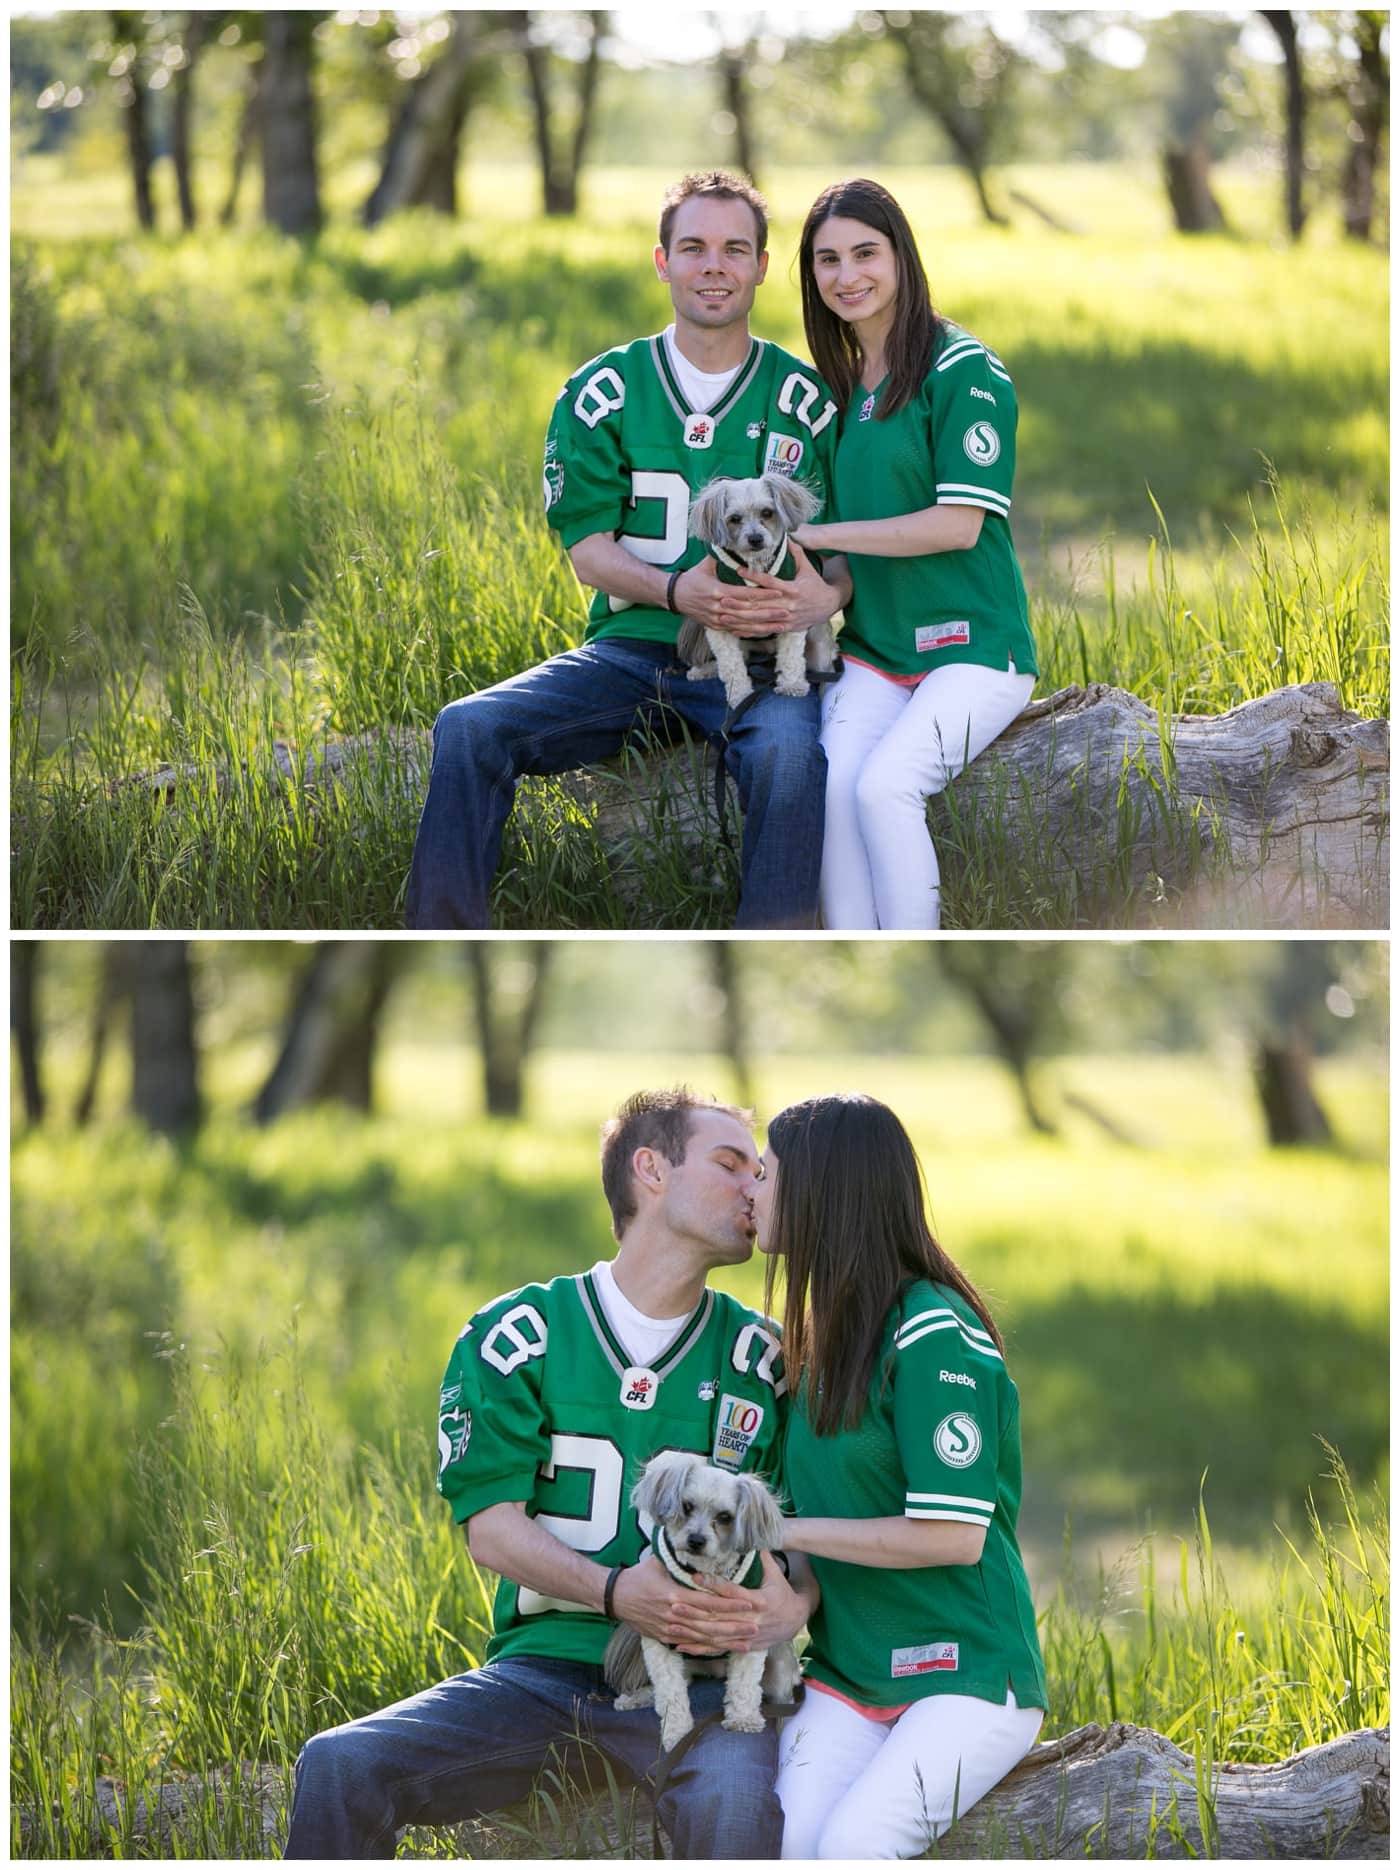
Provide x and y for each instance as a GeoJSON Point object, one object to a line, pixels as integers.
{"type": "Point", "coordinates": [917, 329]}
{"type": "Point", "coordinates": [850, 1231]}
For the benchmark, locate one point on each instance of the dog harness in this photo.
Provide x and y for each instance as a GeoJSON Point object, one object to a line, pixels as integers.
{"type": "Point", "coordinates": [730, 566]}
{"type": "Point", "coordinates": [745, 1569]}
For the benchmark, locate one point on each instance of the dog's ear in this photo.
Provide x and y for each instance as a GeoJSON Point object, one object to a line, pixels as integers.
{"type": "Point", "coordinates": [662, 1486]}
{"type": "Point", "coordinates": [757, 1518]}
{"type": "Point", "coordinates": [794, 500]}
{"type": "Point", "coordinates": [707, 510]}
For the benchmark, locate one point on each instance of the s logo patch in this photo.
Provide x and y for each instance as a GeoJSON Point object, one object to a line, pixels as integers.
{"type": "Point", "coordinates": [553, 483]}
{"type": "Point", "coordinates": [982, 444]}
{"type": "Point", "coordinates": [957, 1441]}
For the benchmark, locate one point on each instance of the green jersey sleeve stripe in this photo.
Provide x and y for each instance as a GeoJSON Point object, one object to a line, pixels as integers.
{"type": "Point", "coordinates": [944, 1512]}
{"type": "Point", "coordinates": [969, 495]}
{"type": "Point", "coordinates": [941, 1311]}
{"type": "Point", "coordinates": [947, 1499]}
{"type": "Point", "coordinates": [952, 1324]}
{"type": "Point", "coordinates": [965, 347]}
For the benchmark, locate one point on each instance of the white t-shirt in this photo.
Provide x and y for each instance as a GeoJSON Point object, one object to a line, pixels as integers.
{"type": "Point", "coordinates": [702, 389]}
{"type": "Point", "coordinates": [641, 1337]}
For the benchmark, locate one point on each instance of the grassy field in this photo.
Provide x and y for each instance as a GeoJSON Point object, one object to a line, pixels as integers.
{"type": "Point", "coordinates": [224, 1362]}
{"type": "Point", "coordinates": [263, 491]}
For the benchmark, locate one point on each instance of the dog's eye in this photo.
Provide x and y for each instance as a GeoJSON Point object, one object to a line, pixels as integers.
{"type": "Point", "coordinates": [687, 1508]}
{"type": "Point", "coordinates": [732, 519]}
{"type": "Point", "coordinates": [724, 1519]}
{"type": "Point", "coordinates": [765, 512]}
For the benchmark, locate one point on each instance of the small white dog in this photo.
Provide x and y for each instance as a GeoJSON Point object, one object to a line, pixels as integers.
{"type": "Point", "coordinates": [745, 523]}
{"type": "Point", "coordinates": [710, 1521]}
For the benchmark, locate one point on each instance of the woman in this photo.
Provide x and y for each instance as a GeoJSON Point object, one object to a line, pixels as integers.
{"type": "Point", "coordinates": [903, 1461]}
{"type": "Point", "coordinates": [937, 646]}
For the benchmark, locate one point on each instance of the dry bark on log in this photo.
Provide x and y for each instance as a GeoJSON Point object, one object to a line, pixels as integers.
{"type": "Point", "coordinates": [1295, 787]}
{"type": "Point", "coordinates": [1285, 798]}
{"type": "Point", "coordinates": [1107, 1791]}
{"type": "Point", "coordinates": [1100, 1791]}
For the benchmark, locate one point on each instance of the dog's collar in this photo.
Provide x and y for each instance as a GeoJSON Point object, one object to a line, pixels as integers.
{"type": "Point", "coordinates": [735, 1572]}
{"type": "Point", "coordinates": [735, 564]}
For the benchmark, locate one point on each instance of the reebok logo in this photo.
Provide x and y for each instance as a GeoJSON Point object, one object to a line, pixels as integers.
{"type": "Point", "coordinates": [986, 395]}
{"type": "Point", "coordinates": [956, 1376]}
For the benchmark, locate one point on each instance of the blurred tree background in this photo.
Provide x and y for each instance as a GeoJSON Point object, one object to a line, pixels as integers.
{"type": "Point", "coordinates": [1164, 1161]}
{"type": "Point", "coordinates": [416, 97]}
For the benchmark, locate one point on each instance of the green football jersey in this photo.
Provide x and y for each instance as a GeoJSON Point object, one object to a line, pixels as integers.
{"type": "Point", "coordinates": [953, 443]}
{"type": "Point", "coordinates": [939, 1438]}
{"type": "Point", "coordinates": [542, 1404]}
{"type": "Point", "coordinates": [625, 454]}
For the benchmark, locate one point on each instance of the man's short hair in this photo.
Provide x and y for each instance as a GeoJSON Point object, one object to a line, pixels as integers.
{"type": "Point", "coordinates": [720, 183]}
{"type": "Point", "coordinates": [659, 1120]}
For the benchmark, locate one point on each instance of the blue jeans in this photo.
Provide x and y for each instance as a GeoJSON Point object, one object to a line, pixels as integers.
{"type": "Point", "coordinates": [474, 1743]}
{"type": "Point", "coordinates": [580, 707]}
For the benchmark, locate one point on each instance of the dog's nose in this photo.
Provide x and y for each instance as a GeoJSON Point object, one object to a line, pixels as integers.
{"type": "Point", "coordinates": [695, 1541]}
{"type": "Point", "coordinates": [755, 539]}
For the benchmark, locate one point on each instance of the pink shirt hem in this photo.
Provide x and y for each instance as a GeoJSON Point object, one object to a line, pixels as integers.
{"type": "Point", "coordinates": [871, 1714]}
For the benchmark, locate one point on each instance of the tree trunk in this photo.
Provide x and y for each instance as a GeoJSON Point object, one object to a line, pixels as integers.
{"type": "Point", "coordinates": [1283, 1075]}
{"type": "Point", "coordinates": [111, 988]}
{"type": "Point", "coordinates": [248, 135]}
{"type": "Point", "coordinates": [291, 190]}
{"type": "Point", "coordinates": [733, 67]}
{"type": "Point", "coordinates": [559, 177]}
{"type": "Point", "coordinates": [505, 1044]}
{"type": "Point", "coordinates": [331, 1030]}
{"type": "Point", "coordinates": [25, 957]}
{"type": "Point", "coordinates": [1194, 207]}
{"type": "Point", "coordinates": [1117, 1792]}
{"type": "Point", "coordinates": [1370, 114]}
{"type": "Point", "coordinates": [164, 1067]}
{"type": "Point", "coordinates": [1016, 995]}
{"type": "Point", "coordinates": [1286, 30]}
{"type": "Point", "coordinates": [728, 978]}
{"type": "Point", "coordinates": [181, 102]}
{"type": "Point", "coordinates": [420, 162]}
{"type": "Point", "coordinates": [131, 97]}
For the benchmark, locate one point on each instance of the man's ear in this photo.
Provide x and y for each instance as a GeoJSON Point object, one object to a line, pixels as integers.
{"type": "Point", "coordinates": [659, 261]}
{"type": "Point", "coordinates": [649, 1166]}
{"type": "Point", "coordinates": [762, 266]}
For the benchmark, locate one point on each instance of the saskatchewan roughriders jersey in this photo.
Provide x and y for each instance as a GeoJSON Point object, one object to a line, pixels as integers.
{"type": "Point", "coordinates": [953, 443]}
{"type": "Point", "coordinates": [940, 1438]}
{"type": "Point", "coordinates": [542, 1404]}
{"type": "Point", "coordinates": [626, 452]}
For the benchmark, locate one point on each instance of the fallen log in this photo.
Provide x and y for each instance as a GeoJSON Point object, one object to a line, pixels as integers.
{"type": "Point", "coordinates": [1274, 814]}
{"type": "Point", "coordinates": [1117, 1791]}
{"type": "Point", "coordinates": [1124, 1791]}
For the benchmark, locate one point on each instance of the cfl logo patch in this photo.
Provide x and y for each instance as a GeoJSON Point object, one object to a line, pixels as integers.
{"type": "Point", "coordinates": [736, 1425]}
{"type": "Point", "coordinates": [982, 444]}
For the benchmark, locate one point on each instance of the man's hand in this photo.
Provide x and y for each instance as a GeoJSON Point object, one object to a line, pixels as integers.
{"type": "Point", "coordinates": [764, 605]}
{"type": "Point", "coordinates": [781, 1611]}
{"type": "Point", "coordinates": [712, 1616]}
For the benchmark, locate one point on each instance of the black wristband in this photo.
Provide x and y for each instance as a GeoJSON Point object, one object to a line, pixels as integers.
{"type": "Point", "coordinates": [608, 1590]}
{"type": "Point", "coordinates": [671, 591]}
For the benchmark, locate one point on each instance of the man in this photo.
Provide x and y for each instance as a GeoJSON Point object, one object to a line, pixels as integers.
{"type": "Point", "coordinates": [634, 434]}
{"type": "Point", "coordinates": [555, 1397]}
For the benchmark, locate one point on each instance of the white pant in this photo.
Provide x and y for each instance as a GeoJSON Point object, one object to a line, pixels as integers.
{"type": "Point", "coordinates": [855, 1788]}
{"type": "Point", "coordinates": [888, 750]}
